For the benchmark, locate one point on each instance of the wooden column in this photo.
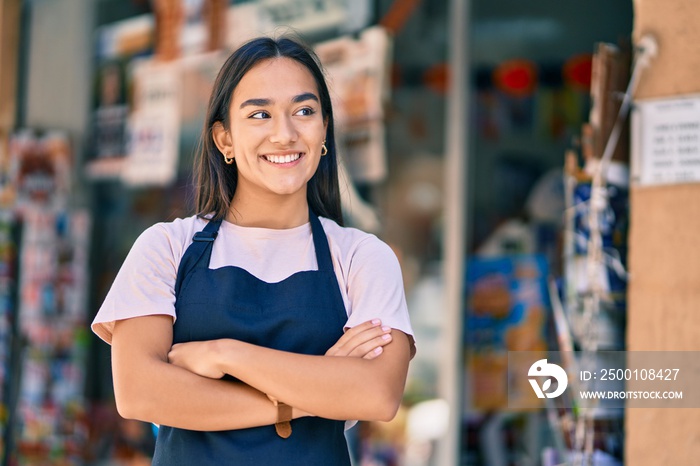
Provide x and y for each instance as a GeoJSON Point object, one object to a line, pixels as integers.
{"type": "Point", "coordinates": [664, 261]}
{"type": "Point", "coordinates": [9, 49]}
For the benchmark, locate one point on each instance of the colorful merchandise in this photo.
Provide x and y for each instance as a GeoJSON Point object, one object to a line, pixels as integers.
{"type": "Point", "coordinates": [506, 311]}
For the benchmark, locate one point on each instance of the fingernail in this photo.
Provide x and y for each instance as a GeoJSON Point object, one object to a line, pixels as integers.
{"type": "Point", "coordinates": [376, 321]}
{"type": "Point", "coordinates": [386, 329]}
{"type": "Point", "coordinates": [378, 350]}
{"type": "Point", "coordinates": [386, 336]}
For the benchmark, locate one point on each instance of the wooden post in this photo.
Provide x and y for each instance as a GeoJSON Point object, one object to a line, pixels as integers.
{"type": "Point", "coordinates": [9, 53]}
{"type": "Point", "coordinates": [664, 252]}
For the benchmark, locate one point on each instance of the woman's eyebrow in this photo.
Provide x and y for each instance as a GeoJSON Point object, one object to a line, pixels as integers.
{"type": "Point", "coordinates": [256, 103]}
{"type": "Point", "coordinates": [305, 96]}
{"type": "Point", "coordinates": [265, 102]}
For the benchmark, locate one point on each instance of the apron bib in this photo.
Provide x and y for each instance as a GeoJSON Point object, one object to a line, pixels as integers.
{"type": "Point", "coordinates": [303, 313]}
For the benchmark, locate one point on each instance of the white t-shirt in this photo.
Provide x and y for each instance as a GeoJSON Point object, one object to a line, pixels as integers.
{"type": "Point", "coordinates": [366, 268]}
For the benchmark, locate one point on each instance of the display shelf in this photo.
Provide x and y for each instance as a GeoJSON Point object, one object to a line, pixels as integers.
{"type": "Point", "coordinates": [51, 420]}
{"type": "Point", "coordinates": [43, 285]}
{"type": "Point", "coordinates": [8, 332]}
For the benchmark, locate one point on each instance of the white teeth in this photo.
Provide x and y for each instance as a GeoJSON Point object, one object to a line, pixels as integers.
{"type": "Point", "coordinates": [282, 158]}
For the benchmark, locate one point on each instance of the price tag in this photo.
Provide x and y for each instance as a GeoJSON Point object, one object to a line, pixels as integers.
{"type": "Point", "coordinates": [666, 141]}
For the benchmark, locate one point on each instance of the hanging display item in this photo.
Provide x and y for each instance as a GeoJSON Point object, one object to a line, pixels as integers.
{"type": "Point", "coordinates": [136, 134]}
{"type": "Point", "coordinates": [577, 71]}
{"type": "Point", "coordinates": [111, 112]}
{"type": "Point", "coordinates": [154, 124]}
{"type": "Point", "coordinates": [117, 44]}
{"type": "Point", "coordinates": [358, 73]}
{"type": "Point", "coordinates": [595, 243]}
{"type": "Point", "coordinates": [516, 78]}
{"type": "Point", "coordinates": [39, 170]}
{"type": "Point", "coordinates": [188, 27]}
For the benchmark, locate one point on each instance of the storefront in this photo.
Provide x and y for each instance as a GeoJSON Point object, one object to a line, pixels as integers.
{"type": "Point", "coordinates": [530, 69]}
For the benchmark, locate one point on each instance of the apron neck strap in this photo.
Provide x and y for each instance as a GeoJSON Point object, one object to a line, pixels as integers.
{"type": "Point", "coordinates": [323, 252]}
{"type": "Point", "coordinates": [198, 253]}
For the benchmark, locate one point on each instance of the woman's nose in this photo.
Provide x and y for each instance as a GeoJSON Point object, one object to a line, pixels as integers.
{"type": "Point", "coordinates": [284, 131]}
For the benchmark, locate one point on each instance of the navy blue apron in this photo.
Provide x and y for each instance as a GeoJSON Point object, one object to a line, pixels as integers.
{"type": "Point", "coordinates": [303, 313]}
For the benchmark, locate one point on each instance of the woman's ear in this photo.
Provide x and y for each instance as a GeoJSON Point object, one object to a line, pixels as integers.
{"type": "Point", "coordinates": [222, 139]}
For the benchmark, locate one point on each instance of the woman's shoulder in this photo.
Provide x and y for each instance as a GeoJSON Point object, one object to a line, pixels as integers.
{"type": "Point", "coordinates": [353, 241]}
{"type": "Point", "coordinates": [179, 227]}
{"type": "Point", "coordinates": [171, 236]}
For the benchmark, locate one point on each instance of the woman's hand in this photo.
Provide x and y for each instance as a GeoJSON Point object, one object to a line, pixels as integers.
{"type": "Point", "coordinates": [363, 341]}
{"type": "Point", "coordinates": [199, 357]}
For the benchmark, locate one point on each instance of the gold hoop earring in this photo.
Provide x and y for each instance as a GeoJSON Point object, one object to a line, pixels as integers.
{"type": "Point", "coordinates": [228, 160]}
{"type": "Point", "coordinates": [324, 149]}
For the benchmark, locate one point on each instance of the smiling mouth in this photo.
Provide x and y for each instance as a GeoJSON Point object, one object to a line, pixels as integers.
{"type": "Point", "coordinates": [280, 159]}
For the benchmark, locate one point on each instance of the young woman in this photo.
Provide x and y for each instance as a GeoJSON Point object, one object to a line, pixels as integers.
{"type": "Point", "coordinates": [261, 308]}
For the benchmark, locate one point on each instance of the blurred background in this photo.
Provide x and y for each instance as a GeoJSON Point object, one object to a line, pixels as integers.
{"type": "Point", "coordinates": [486, 141]}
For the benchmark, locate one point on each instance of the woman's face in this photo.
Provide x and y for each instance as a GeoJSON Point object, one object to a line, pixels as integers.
{"type": "Point", "coordinates": [276, 129]}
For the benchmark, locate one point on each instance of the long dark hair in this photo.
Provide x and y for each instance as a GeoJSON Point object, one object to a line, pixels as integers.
{"type": "Point", "coordinates": [215, 180]}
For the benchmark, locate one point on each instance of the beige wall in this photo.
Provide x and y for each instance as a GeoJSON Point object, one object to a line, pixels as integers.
{"type": "Point", "coordinates": [664, 262]}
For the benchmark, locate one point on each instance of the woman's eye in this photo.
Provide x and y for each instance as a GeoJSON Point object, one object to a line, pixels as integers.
{"type": "Point", "coordinates": [260, 115]}
{"type": "Point", "coordinates": [306, 111]}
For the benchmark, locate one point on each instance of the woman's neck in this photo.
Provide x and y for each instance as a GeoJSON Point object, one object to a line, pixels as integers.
{"type": "Point", "coordinates": [274, 213]}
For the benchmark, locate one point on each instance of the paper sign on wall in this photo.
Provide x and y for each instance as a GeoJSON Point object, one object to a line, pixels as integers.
{"type": "Point", "coordinates": [154, 125]}
{"type": "Point", "coordinates": [666, 141]}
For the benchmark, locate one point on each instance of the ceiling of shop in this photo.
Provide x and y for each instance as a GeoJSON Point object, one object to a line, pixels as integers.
{"type": "Point", "coordinates": [545, 30]}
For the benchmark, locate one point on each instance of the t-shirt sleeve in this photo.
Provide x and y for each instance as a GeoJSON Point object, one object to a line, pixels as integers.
{"type": "Point", "coordinates": [144, 285]}
{"type": "Point", "coordinates": [375, 288]}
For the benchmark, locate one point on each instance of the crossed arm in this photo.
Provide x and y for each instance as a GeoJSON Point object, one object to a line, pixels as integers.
{"type": "Point", "coordinates": [181, 386]}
